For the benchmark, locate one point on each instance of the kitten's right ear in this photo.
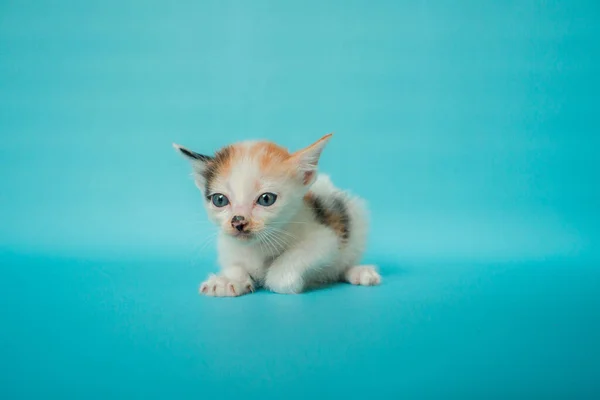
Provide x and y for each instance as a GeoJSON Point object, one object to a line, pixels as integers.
{"type": "Point", "coordinates": [199, 162]}
{"type": "Point", "coordinates": [192, 155]}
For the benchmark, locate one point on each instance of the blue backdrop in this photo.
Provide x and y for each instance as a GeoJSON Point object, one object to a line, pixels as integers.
{"type": "Point", "coordinates": [471, 127]}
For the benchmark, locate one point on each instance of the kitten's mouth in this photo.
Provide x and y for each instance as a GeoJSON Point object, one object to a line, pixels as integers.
{"type": "Point", "coordinates": [244, 235]}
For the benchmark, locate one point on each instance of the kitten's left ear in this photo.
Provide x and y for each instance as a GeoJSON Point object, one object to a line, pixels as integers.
{"type": "Point", "coordinates": [307, 159]}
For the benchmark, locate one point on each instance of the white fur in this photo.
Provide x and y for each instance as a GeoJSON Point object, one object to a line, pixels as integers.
{"type": "Point", "coordinates": [306, 254]}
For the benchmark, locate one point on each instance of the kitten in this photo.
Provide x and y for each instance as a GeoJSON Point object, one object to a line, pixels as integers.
{"type": "Point", "coordinates": [282, 226]}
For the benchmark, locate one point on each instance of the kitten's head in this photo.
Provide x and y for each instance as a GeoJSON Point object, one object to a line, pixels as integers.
{"type": "Point", "coordinates": [251, 188]}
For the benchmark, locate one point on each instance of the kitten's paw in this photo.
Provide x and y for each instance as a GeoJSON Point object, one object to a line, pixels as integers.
{"type": "Point", "coordinates": [364, 275]}
{"type": "Point", "coordinates": [220, 286]}
{"type": "Point", "coordinates": [284, 282]}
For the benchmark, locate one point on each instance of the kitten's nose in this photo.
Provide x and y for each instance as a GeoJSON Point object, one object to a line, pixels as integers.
{"type": "Point", "coordinates": [239, 223]}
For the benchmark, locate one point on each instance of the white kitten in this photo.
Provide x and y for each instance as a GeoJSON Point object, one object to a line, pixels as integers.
{"type": "Point", "coordinates": [283, 227]}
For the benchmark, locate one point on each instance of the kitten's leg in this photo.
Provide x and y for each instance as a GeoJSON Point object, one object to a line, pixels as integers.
{"type": "Point", "coordinates": [233, 281]}
{"type": "Point", "coordinates": [365, 275]}
{"type": "Point", "coordinates": [286, 274]}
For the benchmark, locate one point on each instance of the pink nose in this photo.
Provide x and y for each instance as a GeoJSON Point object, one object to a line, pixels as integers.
{"type": "Point", "coordinates": [238, 222]}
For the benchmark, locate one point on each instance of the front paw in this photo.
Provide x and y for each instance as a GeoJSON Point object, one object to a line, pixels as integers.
{"type": "Point", "coordinates": [221, 286]}
{"type": "Point", "coordinates": [284, 282]}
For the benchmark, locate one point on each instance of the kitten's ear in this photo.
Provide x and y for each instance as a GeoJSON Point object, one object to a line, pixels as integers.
{"type": "Point", "coordinates": [192, 155]}
{"type": "Point", "coordinates": [198, 161]}
{"type": "Point", "coordinates": [307, 159]}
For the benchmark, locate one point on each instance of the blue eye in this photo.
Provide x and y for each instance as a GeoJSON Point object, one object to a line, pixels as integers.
{"type": "Point", "coordinates": [219, 200]}
{"type": "Point", "coordinates": [266, 199]}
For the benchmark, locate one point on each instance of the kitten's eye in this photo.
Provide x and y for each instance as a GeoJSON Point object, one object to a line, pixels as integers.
{"type": "Point", "coordinates": [266, 199]}
{"type": "Point", "coordinates": [219, 200]}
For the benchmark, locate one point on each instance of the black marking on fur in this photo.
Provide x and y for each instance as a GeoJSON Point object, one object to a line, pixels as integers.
{"type": "Point", "coordinates": [335, 216]}
{"type": "Point", "coordinates": [318, 210]}
{"type": "Point", "coordinates": [212, 168]}
{"type": "Point", "coordinates": [340, 207]}
{"type": "Point", "coordinates": [194, 155]}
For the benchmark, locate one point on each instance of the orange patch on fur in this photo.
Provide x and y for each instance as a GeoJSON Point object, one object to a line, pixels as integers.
{"type": "Point", "coordinates": [218, 165]}
{"type": "Point", "coordinates": [224, 158]}
{"type": "Point", "coordinates": [271, 157]}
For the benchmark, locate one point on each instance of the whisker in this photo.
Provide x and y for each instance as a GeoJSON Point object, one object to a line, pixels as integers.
{"type": "Point", "coordinates": [260, 241]}
{"type": "Point", "coordinates": [271, 244]}
{"type": "Point", "coordinates": [279, 241]}
{"type": "Point", "coordinates": [284, 232]}
{"type": "Point", "coordinates": [200, 247]}
{"type": "Point", "coordinates": [206, 242]}
{"type": "Point", "coordinates": [288, 222]}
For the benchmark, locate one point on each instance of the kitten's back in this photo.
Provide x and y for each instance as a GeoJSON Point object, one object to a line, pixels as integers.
{"type": "Point", "coordinates": [346, 215]}
{"type": "Point", "coordinates": [339, 210]}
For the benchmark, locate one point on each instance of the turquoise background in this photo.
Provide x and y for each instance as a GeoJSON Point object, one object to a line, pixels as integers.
{"type": "Point", "coordinates": [471, 127]}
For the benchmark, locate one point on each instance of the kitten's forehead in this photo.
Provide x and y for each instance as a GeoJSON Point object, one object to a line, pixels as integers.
{"type": "Point", "coordinates": [257, 160]}
{"type": "Point", "coordinates": [265, 153]}
{"type": "Point", "coordinates": [243, 165]}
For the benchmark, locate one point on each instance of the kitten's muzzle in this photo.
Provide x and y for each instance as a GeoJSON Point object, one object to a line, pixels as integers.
{"type": "Point", "coordinates": [239, 223]}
